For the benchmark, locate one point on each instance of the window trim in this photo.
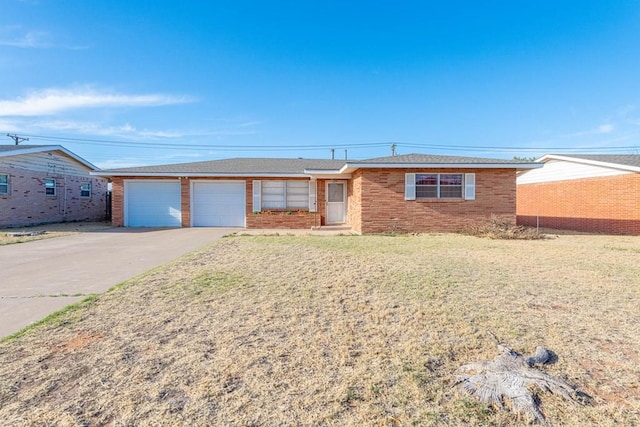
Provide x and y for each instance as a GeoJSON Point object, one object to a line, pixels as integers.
{"type": "Point", "coordinates": [285, 198]}
{"type": "Point", "coordinates": [54, 187]}
{"type": "Point", "coordinates": [7, 189]}
{"type": "Point", "coordinates": [88, 196]}
{"type": "Point", "coordinates": [439, 186]}
{"type": "Point", "coordinates": [468, 190]}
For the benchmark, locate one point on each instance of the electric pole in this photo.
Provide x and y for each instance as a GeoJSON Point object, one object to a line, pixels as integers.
{"type": "Point", "coordinates": [393, 149]}
{"type": "Point", "coordinates": [17, 139]}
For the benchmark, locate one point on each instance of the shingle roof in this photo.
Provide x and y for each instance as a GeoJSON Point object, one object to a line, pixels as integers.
{"type": "Point", "coordinates": [238, 166]}
{"type": "Point", "coordinates": [284, 167]}
{"type": "Point", "coordinates": [436, 159]}
{"type": "Point", "coordinates": [14, 147]}
{"type": "Point", "coordinates": [619, 159]}
{"type": "Point", "coordinates": [14, 150]}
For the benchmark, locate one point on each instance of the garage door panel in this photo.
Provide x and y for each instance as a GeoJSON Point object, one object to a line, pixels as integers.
{"type": "Point", "coordinates": [153, 204]}
{"type": "Point", "coordinates": [218, 204]}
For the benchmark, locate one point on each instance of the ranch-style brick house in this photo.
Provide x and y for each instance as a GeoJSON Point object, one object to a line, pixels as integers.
{"type": "Point", "coordinates": [404, 193]}
{"type": "Point", "coordinates": [598, 193]}
{"type": "Point", "coordinates": [42, 184]}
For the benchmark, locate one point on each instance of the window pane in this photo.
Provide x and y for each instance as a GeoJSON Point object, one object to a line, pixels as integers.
{"type": "Point", "coordinates": [426, 179]}
{"type": "Point", "coordinates": [85, 189]}
{"type": "Point", "coordinates": [298, 194]}
{"type": "Point", "coordinates": [426, 192]}
{"type": "Point", "coordinates": [450, 192]}
{"type": "Point", "coordinates": [451, 179]}
{"type": "Point", "coordinates": [336, 192]}
{"type": "Point", "coordinates": [4, 184]}
{"type": "Point", "coordinates": [273, 196]}
{"type": "Point", "coordinates": [50, 187]}
{"type": "Point", "coordinates": [451, 186]}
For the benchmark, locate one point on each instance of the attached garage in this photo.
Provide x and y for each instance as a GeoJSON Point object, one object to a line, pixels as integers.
{"type": "Point", "coordinates": [218, 204]}
{"type": "Point", "coordinates": [149, 203]}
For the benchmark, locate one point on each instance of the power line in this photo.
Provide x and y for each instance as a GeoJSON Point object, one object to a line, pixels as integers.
{"type": "Point", "coordinates": [314, 147]}
{"type": "Point", "coordinates": [17, 139]}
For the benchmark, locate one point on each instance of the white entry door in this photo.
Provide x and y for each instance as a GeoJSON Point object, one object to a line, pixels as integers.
{"type": "Point", "coordinates": [336, 203]}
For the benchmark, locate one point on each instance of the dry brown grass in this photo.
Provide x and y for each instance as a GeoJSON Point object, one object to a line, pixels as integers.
{"type": "Point", "coordinates": [336, 331]}
{"type": "Point", "coordinates": [10, 236]}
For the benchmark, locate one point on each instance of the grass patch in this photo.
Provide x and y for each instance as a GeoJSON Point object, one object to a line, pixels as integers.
{"type": "Point", "coordinates": [344, 331]}
{"type": "Point", "coordinates": [10, 236]}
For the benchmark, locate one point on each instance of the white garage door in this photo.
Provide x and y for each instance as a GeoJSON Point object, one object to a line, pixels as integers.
{"type": "Point", "coordinates": [218, 204]}
{"type": "Point", "coordinates": [152, 204]}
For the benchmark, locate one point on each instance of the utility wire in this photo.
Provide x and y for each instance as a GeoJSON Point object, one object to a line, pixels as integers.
{"type": "Point", "coordinates": [398, 145]}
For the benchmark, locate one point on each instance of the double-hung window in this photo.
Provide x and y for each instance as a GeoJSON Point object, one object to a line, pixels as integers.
{"type": "Point", "coordinates": [4, 184]}
{"type": "Point", "coordinates": [50, 186]}
{"type": "Point", "coordinates": [427, 186]}
{"type": "Point", "coordinates": [284, 195]}
{"type": "Point", "coordinates": [85, 190]}
{"type": "Point", "coordinates": [439, 185]}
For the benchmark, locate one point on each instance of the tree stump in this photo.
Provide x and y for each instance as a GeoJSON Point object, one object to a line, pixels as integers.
{"type": "Point", "coordinates": [513, 378]}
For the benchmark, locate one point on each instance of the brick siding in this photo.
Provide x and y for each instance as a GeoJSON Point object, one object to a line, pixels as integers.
{"type": "Point", "coordinates": [375, 203]}
{"type": "Point", "coordinates": [384, 209]}
{"type": "Point", "coordinates": [27, 203]}
{"type": "Point", "coordinates": [600, 205]}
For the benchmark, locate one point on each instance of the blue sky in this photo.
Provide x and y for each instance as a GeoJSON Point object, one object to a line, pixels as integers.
{"type": "Point", "coordinates": [125, 83]}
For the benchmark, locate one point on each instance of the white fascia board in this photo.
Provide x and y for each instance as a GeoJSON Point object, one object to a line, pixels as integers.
{"type": "Point", "coordinates": [49, 148]}
{"type": "Point", "coordinates": [617, 166]}
{"type": "Point", "coordinates": [350, 167]}
{"type": "Point", "coordinates": [326, 174]}
{"type": "Point", "coordinates": [198, 175]}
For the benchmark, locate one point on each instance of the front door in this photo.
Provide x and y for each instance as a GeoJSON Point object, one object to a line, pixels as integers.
{"type": "Point", "coordinates": [336, 203]}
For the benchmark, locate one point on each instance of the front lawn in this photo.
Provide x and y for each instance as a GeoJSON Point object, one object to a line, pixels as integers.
{"type": "Point", "coordinates": [339, 331]}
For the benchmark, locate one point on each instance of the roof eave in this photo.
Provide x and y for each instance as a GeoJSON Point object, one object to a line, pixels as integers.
{"type": "Point", "coordinates": [74, 156]}
{"type": "Point", "coordinates": [327, 174]}
{"type": "Point", "coordinates": [350, 167]}
{"type": "Point", "coordinates": [200, 175]}
{"type": "Point", "coordinates": [609, 165]}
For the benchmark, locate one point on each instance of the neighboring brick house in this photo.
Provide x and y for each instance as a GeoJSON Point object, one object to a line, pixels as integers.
{"type": "Point", "coordinates": [407, 193]}
{"type": "Point", "coordinates": [593, 193]}
{"type": "Point", "coordinates": [44, 184]}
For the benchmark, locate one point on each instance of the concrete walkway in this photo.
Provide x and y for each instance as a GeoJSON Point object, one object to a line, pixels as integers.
{"type": "Point", "coordinates": [40, 277]}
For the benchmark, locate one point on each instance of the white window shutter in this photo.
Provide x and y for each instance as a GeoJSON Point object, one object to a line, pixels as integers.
{"type": "Point", "coordinates": [409, 186]}
{"type": "Point", "coordinates": [313, 196]}
{"type": "Point", "coordinates": [257, 196]}
{"type": "Point", "coordinates": [469, 186]}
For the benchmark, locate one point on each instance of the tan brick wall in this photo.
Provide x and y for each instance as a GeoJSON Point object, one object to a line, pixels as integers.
{"type": "Point", "coordinates": [383, 208]}
{"type": "Point", "coordinates": [283, 219]}
{"type": "Point", "coordinates": [354, 201]}
{"type": "Point", "coordinates": [117, 201]}
{"type": "Point", "coordinates": [599, 205]}
{"type": "Point", "coordinates": [185, 201]}
{"type": "Point", "coordinates": [27, 203]}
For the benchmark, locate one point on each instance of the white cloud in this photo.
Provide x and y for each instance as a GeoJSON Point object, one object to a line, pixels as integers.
{"type": "Point", "coordinates": [605, 128]}
{"type": "Point", "coordinates": [53, 101]}
{"type": "Point", "coordinates": [15, 36]}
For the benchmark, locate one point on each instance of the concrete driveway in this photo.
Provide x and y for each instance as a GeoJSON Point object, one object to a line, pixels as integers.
{"type": "Point", "coordinates": [40, 277]}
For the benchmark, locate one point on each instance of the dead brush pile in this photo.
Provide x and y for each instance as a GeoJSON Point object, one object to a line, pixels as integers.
{"type": "Point", "coordinates": [503, 229]}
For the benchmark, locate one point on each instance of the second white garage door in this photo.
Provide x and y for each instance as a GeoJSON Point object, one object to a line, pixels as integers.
{"type": "Point", "coordinates": [218, 204]}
